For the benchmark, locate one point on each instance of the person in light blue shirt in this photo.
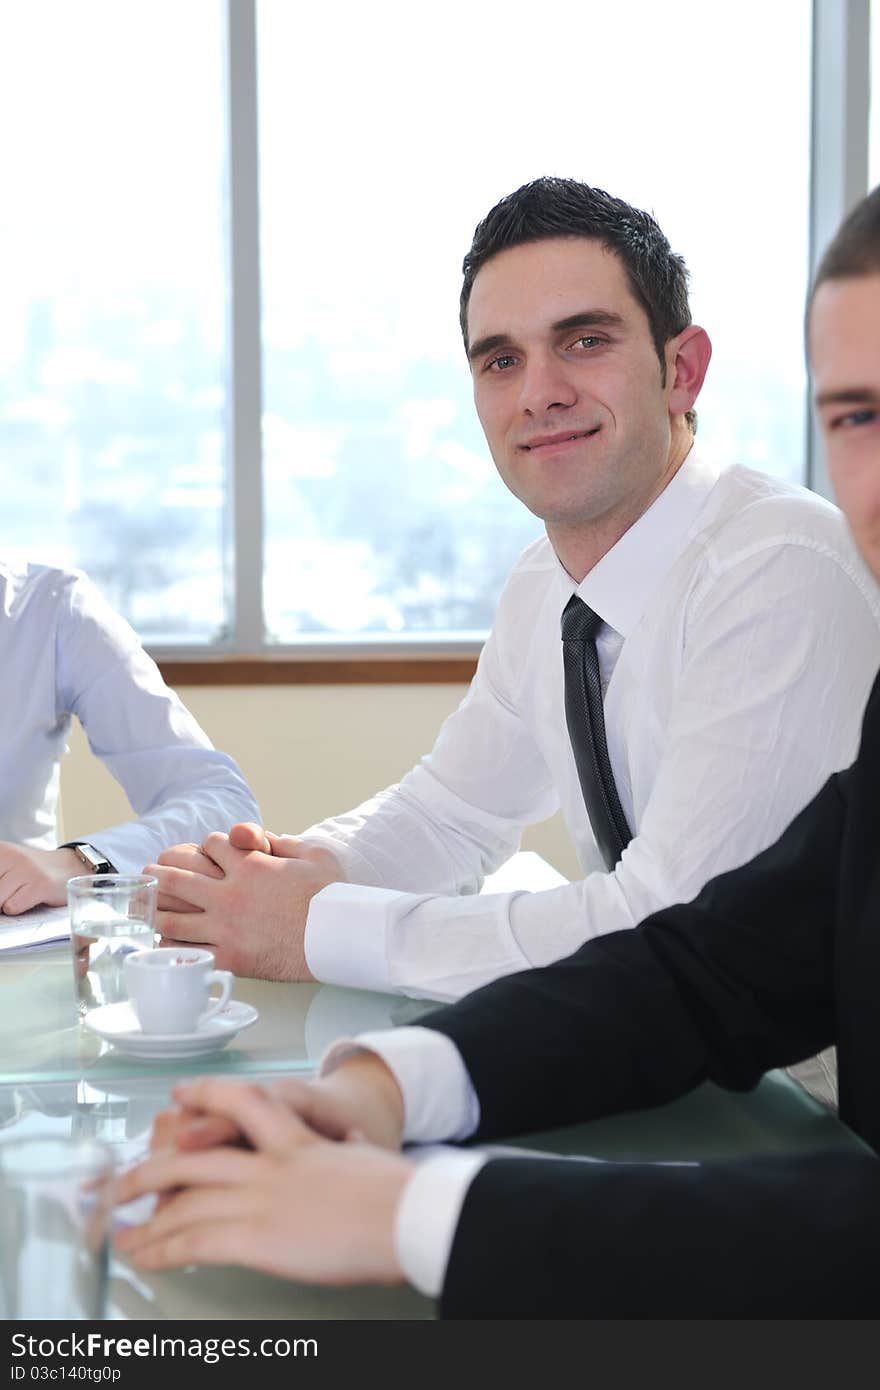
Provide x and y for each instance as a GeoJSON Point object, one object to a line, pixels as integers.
{"type": "Point", "coordinates": [65, 652]}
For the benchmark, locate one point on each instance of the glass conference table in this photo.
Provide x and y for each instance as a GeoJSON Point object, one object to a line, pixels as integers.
{"type": "Point", "coordinates": [57, 1078]}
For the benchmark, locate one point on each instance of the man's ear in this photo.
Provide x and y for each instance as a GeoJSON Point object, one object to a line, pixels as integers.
{"type": "Point", "coordinates": [687, 360]}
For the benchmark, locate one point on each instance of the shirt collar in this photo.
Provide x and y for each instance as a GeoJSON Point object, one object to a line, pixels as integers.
{"type": "Point", "coordinates": [620, 586]}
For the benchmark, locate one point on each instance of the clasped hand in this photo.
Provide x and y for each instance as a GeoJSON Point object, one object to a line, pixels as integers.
{"type": "Point", "coordinates": [245, 896]}
{"type": "Point", "coordinates": [289, 1179]}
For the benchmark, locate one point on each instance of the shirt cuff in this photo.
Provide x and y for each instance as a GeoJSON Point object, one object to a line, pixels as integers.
{"type": "Point", "coordinates": [346, 935]}
{"type": "Point", "coordinates": [439, 1101]}
{"type": "Point", "coordinates": [419, 944]}
{"type": "Point", "coordinates": [428, 1212]}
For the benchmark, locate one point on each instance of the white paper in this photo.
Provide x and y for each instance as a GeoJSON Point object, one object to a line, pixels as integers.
{"type": "Point", "coordinates": [40, 927]}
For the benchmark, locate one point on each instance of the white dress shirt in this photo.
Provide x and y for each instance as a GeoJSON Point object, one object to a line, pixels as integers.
{"type": "Point", "coordinates": [64, 652]}
{"type": "Point", "coordinates": [741, 637]}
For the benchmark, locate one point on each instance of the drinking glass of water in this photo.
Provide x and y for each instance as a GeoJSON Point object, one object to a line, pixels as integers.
{"type": "Point", "coordinates": [111, 915]}
{"type": "Point", "coordinates": [56, 1200]}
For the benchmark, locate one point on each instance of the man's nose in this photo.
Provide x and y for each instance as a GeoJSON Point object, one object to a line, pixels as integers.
{"type": "Point", "coordinates": [545, 386]}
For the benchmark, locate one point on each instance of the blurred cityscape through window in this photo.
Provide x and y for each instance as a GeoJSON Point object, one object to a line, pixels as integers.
{"type": "Point", "coordinates": [385, 135]}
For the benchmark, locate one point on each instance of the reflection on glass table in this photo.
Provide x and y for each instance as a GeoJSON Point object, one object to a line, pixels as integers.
{"type": "Point", "coordinates": [43, 1039]}
{"type": "Point", "coordinates": [121, 1115]}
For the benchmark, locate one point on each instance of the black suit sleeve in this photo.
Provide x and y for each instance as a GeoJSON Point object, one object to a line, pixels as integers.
{"type": "Point", "coordinates": [768, 1237]}
{"type": "Point", "coordinates": [721, 989]}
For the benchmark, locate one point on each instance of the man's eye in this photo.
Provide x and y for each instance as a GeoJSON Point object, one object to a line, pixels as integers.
{"type": "Point", "coordinates": [587, 340]}
{"type": "Point", "coordinates": [854, 419]}
{"type": "Point", "coordinates": [501, 364]}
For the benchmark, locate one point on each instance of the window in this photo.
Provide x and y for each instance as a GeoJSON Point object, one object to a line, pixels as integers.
{"type": "Point", "coordinates": [112, 281]}
{"type": "Point", "coordinates": [874, 119]}
{"type": "Point", "coordinates": [383, 138]}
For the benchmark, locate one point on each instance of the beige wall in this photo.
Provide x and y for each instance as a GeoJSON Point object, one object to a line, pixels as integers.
{"type": "Point", "coordinates": [307, 751]}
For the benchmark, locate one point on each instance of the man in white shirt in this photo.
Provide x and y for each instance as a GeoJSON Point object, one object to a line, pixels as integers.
{"type": "Point", "coordinates": [770, 961]}
{"type": "Point", "coordinates": [738, 639]}
{"type": "Point", "coordinates": [64, 652]}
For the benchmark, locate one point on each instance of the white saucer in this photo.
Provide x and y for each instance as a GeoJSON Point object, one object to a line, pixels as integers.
{"type": "Point", "coordinates": [117, 1024]}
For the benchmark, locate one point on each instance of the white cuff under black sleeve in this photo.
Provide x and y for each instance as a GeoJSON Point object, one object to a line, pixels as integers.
{"type": "Point", "coordinates": [428, 1212]}
{"type": "Point", "coordinates": [439, 1101]}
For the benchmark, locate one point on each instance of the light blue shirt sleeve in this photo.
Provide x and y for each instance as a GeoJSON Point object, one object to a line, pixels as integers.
{"type": "Point", "coordinates": [179, 785]}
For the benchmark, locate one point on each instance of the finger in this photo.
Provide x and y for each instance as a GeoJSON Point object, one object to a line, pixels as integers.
{"type": "Point", "coordinates": [312, 1106]}
{"type": "Point", "coordinates": [213, 1242]}
{"type": "Point", "coordinates": [183, 928]}
{"type": "Point", "coordinates": [208, 1132]}
{"type": "Point", "coordinates": [165, 1129]}
{"type": "Point", "coordinates": [227, 855]}
{"type": "Point", "coordinates": [163, 1172]}
{"type": "Point", "coordinates": [180, 942]}
{"type": "Point", "coordinates": [261, 1116]}
{"type": "Point", "coordinates": [208, 1204]}
{"type": "Point", "coordinates": [10, 882]}
{"type": "Point", "coordinates": [285, 846]}
{"type": "Point", "coordinates": [189, 1130]}
{"type": "Point", "coordinates": [23, 898]}
{"type": "Point", "coordinates": [168, 1125]}
{"type": "Point", "coordinates": [218, 848]}
{"type": "Point", "coordinates": [199, 890]}
{"type": "Point", "coordinates": [165, 903]}
{"type": "Point", "coordinates": [247, 835]}
{"type": "Point", "coordinates": [191, 857]}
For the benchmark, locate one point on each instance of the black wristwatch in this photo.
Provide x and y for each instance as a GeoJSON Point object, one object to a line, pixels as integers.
{"type": "Point", "coordinates": [93, 860]}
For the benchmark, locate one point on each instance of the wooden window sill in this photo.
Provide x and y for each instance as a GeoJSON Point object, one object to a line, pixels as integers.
{"type": "Point", "coordinates": [342, 671]}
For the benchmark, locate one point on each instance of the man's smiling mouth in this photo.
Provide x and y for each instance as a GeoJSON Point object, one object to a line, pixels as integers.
{"type": "Point", "coordinates": [544, 441]}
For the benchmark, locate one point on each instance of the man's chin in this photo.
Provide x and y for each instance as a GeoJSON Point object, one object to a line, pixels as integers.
{"type": "Point", "coordinates": [570, 515]}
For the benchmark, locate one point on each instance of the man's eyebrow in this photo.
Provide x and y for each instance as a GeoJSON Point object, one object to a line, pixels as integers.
{"type": "Point", "coordinates": [494, 340]}
{"type": "Point", "coordinates": [585, 318]}
{"type": "Point", "coordinates": [851, 395]}
{"type": "Point", "coordinates": [589, 318]}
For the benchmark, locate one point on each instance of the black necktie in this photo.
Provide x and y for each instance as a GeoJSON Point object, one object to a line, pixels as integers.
{"type": "Point", "coordinates": [586, 729]}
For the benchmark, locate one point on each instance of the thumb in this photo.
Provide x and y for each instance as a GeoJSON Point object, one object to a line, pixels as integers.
{"type": "Point", "coordinates": [247, 835]}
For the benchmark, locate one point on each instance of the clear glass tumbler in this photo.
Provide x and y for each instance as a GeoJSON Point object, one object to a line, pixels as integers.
{"type": "Point", "coordinates": [56, 1204]}
{"type": "Point", "coordinates": [111, 915]}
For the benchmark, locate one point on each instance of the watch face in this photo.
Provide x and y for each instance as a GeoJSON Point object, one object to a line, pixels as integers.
{"type": "Point", "coordinates": [95, 861]}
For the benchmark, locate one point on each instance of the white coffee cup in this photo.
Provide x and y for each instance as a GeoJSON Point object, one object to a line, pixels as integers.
{"type": "Point", "coordinates": [169, 988]}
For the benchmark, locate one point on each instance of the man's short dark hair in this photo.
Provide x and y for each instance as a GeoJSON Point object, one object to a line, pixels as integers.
{"type": "Point", "coordinates": [556, 207]}
{"type": "Point", "coordinates": [855, 249]}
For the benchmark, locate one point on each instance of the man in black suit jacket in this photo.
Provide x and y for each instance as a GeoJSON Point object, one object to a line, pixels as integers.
{"type": "Point", "coordinates": [769, 964]}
